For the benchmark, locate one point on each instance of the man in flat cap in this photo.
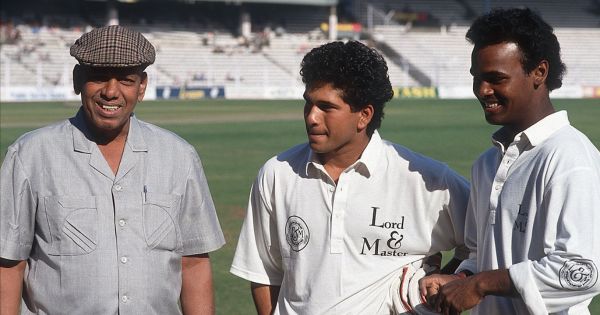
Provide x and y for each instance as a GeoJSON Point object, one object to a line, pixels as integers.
{"type": "Point", "coordinates": [103, 213]}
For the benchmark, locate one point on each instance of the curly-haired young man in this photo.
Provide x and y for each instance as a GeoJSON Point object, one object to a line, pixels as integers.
{"type": "Point", "coordinates": [340, 224]}
{"type": "Point", "coordinates": [534, 196]}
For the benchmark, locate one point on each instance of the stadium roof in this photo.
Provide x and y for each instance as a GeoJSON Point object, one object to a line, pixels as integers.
{"type": "Point", "coordinates": [304, 2]}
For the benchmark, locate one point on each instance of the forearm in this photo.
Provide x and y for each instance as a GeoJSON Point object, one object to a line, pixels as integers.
{"type": "Point", "coordinates": [197, 295]}
{"type": "Point", "coordinates": [494, 282]}
{"type": "Point", "coordinates": [11, 284]}
{"type": "Point", "coordinates": [265, 297]}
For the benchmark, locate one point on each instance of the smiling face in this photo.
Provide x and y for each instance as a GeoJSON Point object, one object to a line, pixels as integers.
{"type": "Point", "coordinates": [332, 127]}
{"type": "Point", "coordinates": [509, 96]}
{"type": "Point", "coordinates": [109, 96]}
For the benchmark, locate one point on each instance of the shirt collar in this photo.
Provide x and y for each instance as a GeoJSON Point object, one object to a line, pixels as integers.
{"type": "Point", "coordinates": [82, 137]}
{"type": "Point", "coordinates": [544, 128]}
{"type": "Point", "coordinates": [536, 133]}
{"type": "Point", "coordinates": [135, 138]}
{"type": "Point", "coordinates": [365, 165]}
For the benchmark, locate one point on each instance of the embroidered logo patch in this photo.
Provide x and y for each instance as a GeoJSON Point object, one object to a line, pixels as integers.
{"type": "Point", "coordinates": [578, 274]}
{"type": "Point", "coordinates": [296, 233]}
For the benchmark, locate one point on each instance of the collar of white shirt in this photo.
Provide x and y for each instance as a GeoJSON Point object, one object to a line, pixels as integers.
{"type": "Point", "coordinates": [538, 132]}
{"type": "Point", "coordinates": [365, 165]}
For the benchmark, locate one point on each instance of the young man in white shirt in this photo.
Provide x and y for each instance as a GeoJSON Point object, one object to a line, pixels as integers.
{"type": "Point", "coordinates": [535, 195]}
{"type": "Point", "coordinates": [338, 225]}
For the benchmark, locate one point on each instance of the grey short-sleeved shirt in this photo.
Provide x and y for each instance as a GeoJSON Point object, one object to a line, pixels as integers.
{"type": "Point", "coordinates": [97, 243]}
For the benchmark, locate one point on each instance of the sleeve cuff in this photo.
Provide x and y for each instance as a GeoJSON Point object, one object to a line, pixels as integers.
{"type": "Point", "coordinates": [198, 246]}
{"type": "Point", "coordinates": [255, 277]}
{"type": "Point", "coordinates": [524, 283]}
{"type": "Point", "coordinates": [13, 251]}
{"type": "Point", "coordinates": [467, 264]}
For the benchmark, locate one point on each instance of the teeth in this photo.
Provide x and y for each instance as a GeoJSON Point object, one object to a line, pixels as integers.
{"type": "Point", "coordinates": [110, 108]}
{"type": "Point", "coordinates": [491, 105]}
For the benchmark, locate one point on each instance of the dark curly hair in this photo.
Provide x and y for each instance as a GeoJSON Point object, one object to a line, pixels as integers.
{"type": "Point", "coordinates": [357, 70]}
{"type": "Point", "coordinates": [534, 37]}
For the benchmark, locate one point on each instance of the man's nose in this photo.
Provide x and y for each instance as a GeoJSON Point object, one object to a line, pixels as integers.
{"type": "Point", "coordinates": [111, 89]}
{"type": "Point", "coordinates": [311, 114]}
{"type": "Point", "coordinates": [483, 88]}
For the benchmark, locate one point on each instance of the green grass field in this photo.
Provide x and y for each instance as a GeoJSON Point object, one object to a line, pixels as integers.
{"type": "Point", "coordinates": [234, 138]}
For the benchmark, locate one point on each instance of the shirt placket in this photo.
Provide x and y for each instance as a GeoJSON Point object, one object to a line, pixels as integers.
{"type": "Point", "coordinates": [122, 222]}
{"type": "Point", "coordinates": [338, 230]}
{"type": "Point", "coordinates": [337, 216]}
{"type": "Point", "coordinates": [508, 159]}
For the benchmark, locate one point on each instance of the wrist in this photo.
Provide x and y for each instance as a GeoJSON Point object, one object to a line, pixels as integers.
{"type": "Point", "coordinates": [463, 274]}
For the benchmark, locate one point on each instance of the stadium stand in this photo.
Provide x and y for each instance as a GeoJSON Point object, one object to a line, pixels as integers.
{"type": "Point", "coordinates": [199, 44]}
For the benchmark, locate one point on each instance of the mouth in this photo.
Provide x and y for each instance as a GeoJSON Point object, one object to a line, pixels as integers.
{"type": "Point", "coordinates": [491, 106]}
{"type": "Point", "coordinates": [312, 136]}
{"type": "Point", "coordinates": [109, 109]}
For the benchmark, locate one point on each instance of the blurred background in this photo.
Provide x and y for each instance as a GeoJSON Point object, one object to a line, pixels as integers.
{"type": "Point", "coordinates": [241, 49]}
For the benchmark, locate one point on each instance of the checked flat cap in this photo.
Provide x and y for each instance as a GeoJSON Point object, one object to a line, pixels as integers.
{"type": "Point", "coordinates": [113, 46]}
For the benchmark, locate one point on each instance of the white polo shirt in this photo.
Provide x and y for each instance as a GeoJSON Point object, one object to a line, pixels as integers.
{"type": "Point", "coordinates": [535, 210]}
{"type": "Point", "coordinates": [338, 249]}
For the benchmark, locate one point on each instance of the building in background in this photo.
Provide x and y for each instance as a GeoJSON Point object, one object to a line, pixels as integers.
{"type": "Point", "coordinates": [253, 49]}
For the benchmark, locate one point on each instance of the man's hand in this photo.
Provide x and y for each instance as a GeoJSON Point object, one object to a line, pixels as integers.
{"type": "Point", "coordinates": [457, 296]}
{"type": "Point", "coordinates": [466, 292]}
{"type": "Point", "coordinates": [429, 286]}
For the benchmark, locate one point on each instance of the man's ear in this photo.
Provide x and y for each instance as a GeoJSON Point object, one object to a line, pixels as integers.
{"type": "Point", "coordinates": [366, 114]}
{"type": "Point", "coordinates": [540, 73]}
{"type": "Point", "coordinates": [143, 85]}
{"type": "Point", "coordinates": [78, 79]}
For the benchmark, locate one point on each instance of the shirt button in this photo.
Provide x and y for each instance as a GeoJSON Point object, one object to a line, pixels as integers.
{"type": "Point", "coordinates": [122, 222]}
{"type": "Point", "coordinates": [124, 259]}
{"type": "Point", "coordinates": [118, 187]}
{"type": "Point", "coordinates": [498, 187]}
{"type": "Point", "coordinates": [124, 298]}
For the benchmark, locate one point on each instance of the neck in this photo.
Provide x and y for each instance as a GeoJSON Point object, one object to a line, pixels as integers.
{"type": "Point", "coordinates": [537, 113]}
{"type": "Point", "coordinates": [108, 137]}
{"type": "Point", "coordinates": [337, 161]}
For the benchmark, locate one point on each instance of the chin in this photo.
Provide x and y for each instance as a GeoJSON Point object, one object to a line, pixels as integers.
{"type": "Point", "coordinates": [318, 149]}
{"type": "Point", "coordinates": [493, 119]}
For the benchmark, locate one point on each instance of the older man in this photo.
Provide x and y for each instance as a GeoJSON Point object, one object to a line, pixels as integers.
{"type": "Point", "coordinates": [103, 213]}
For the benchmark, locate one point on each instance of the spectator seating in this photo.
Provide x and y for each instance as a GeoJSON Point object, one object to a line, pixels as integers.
{"type": "Point", "coordinates": [185, 57]}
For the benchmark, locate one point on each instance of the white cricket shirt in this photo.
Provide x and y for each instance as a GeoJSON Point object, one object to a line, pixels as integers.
{"type": "Point", "coordinates": [339, 249]}
{"type": "Point", "coordinates": [535, 210]}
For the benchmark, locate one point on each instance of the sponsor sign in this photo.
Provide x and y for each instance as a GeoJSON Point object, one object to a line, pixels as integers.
{"type": "Point", "coordinates": [591, 91]}
{"type": "Point", "coordinates": [36, 94]}
{"type": "Point", "coordinates": [416, 92]}
{"type": "Point", "coordinates": [189, 93]}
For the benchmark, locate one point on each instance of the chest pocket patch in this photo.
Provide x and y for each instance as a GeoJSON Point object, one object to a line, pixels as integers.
{"type": "Point", "coordinates": [160, 216]}
{"type": "Point", "coordinates": [73, 224]}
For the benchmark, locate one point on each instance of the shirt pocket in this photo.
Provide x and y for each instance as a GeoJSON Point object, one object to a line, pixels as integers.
{"type": "Point", "coordinates": [73, 224]}
{"type": "Point", "coordinates": [160, 213]}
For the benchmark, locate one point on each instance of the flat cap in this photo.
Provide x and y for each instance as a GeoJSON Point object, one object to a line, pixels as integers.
{"type": "Point", "coordinates": [113, 46]}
